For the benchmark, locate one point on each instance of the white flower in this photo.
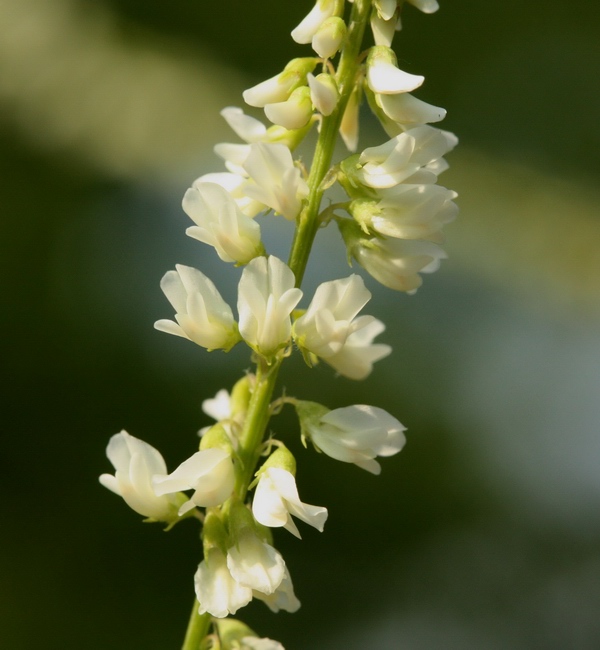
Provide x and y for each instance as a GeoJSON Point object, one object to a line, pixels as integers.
{"type": "Point", "coordinates": [201, 313]}
{"type": "Point", "coordinates": [246, 127]}
{"type": "Point", "coordinates": [426, 6]}
{"type": "Point", "coordinates": [276, 500]}
{"type": "Point", "coordinates": [220, 223]}
{"type": "Point", "coordinates": [209, 472]}
{"type": "Point", "coordinates": [266, 298]}
{"type": "Point", "coordinates": [383, 30]}
{"type": "Point", "coordinates": [356, 358]}
{"type": "Point", "coordinates": [407, 111]}
{"type": "Point", "coordinates": [283, 598]}
{"type": "Point", "coordinates": [278, 183]}
{"type": "Point", "coordinates": [219, 406]}
{"type": "Point", "coordinates": [294, 112]}
{"type": "Point", "coordinates": [403, 158]}
{"type": "Point", "coordinates": [218, 593]}
{"type": "Point", "coordinates": [322, 10]}
{"type": "Point", "coordinates": [384, 77]}
{"type": "Point", "coordinates": [254, 643]}
{"type": "Point", "coordinates": [385, 8]}
{"type": "Point", "coordinates": [135, 463]}
{"type": "Point", "coordinates": [354, 434]}
{"type": "Point", "coordinates": [323, 92]}
{"type": "Point", "coordinates": [397, 263]}
{"type": "Point", "coordinates": [255, 564]}
{"type": "Point", "coordinates": [330, 317]}
{"type": "Point", "coordinates": [278, 88]}
{"type": "Point", "coordinates": [408, 211]}
{"type": "Point", "coordinates": [329, 37]}
{"type": "Point", "coordinates": [234, 184]}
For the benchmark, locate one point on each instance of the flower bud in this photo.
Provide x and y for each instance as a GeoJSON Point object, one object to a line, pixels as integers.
{"type": "Point", "coordinates": [323, 92]}
{"type": "Point", "coordinates": [329, 37]}
{"type": "Point", "coordinates": [294, 113]}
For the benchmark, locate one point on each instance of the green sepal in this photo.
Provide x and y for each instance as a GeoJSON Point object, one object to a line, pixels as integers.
{"type": "Point", "coordinates": [231, 632]}
{"type": "Point", "coordinates": [216, 438]}
{"type": "Point", "coordinates": [214, 534]}
{"type": "Point", "coordinates": [282, 458]}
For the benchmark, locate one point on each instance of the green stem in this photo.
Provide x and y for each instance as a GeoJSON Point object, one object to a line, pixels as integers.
{"type": "Point", "coordinates": [308, 220]}
{"type": "Point", "coordinates": [255, 424]}
{"type": "Point", "coordinates": [197, 629]}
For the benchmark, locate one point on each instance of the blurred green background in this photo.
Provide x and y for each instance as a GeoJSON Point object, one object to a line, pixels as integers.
{"type": "Point", "coordinates": [485, 531]}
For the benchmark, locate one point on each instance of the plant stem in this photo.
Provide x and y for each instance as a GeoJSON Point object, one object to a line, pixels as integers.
{"type": "Point", "coordinates": [197, 629]}
{"type": "Point", "coordinates": [308, 221]}
{"type": "Point", "coordinates": [255, 424]}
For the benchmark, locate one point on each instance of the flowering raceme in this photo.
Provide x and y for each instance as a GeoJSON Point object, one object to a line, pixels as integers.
{"type": "Point", "coordinates": [243, 477]}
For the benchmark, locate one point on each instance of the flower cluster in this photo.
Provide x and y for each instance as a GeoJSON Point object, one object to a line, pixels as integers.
{"type": "Point", "coordinates": [238, 484]}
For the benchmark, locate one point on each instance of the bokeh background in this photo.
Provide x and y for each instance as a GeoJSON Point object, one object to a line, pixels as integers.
{"type": "Point", "coordinates": [485, 531]}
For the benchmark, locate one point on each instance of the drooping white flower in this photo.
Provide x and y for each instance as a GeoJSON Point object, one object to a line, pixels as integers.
{"type": "Point", "coordinates": [254, 563]}
{"type": "Point", "coordinates": [408, 111]}
{"type": "Point", "coordinates": [426, 6]}
{"type": "Point", "coordinates": [276, 500]}
{"type": "Point", "coordinates": [356, 358]}
{"type": "Point", "coordinates": [408, 211]}
{"type": "Point", "coordinates": [254, 643]}
{"type": "Point", "coordinates": [218, 593]}
{"type": "Point", "coordinates": [330, 317]}
{"type": "Point", "coordinates": [248, 128]}
{"type": "Point", "coordinates": [266, 298]}
{"type": "Point", "coordinates": [353, 434]}
{"type": "Point", "coordinates": [209, 473]}
{"type": "Point", "coordinates": [383, 76]}
{"type": "Point", "coordinates": [201, 313]}
{"type": "Point", "coordinates": [135, 463]}
{"type": "Point", "coordinates": [278, 183]}
{"type": "Point", "coordinates": [403, 157]}
{"type": "Point", "coordinates": [385, 8]}
{"type": "Point", "coordinates": [396, 263]}
{"type": "Point", "coordinates": [323, 92]}
{"type": "Point", "coordinates": [294, 112]}
{"type": "Point", "coordinates": [310, 24]}
{"type": "Point", "coordinates": [383, 30]}
{"type": "Point", "coordinates": [283, 598]}
{"type": "Point", "coordinates": [220, 223]}
{"type": "Point", "coordinates": [329, 37]}
{"type": "Point", "coordinates": [278, 88]}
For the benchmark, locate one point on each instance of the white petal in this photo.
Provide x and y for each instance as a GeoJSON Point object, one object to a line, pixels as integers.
{"type": "Point", "coordinates": [386, 78]}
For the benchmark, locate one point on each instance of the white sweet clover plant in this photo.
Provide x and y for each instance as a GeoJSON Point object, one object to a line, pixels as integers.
{"type": "Point", "coordinates": [390, 224]}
